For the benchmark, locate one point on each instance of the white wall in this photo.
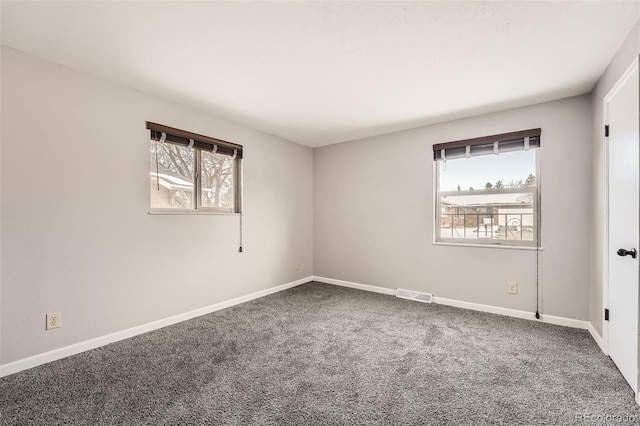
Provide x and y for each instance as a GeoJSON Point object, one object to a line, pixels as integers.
{"type": "Point", "coordinates": [76, 236]}
{"type": "Point", "coordinates": [618, 65]}
{"type": "Point", "coordinates": [373, 205]}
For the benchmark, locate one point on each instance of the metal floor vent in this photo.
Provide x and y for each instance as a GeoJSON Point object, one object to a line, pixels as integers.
{"type": "Point", "coordinates": [414, 295]}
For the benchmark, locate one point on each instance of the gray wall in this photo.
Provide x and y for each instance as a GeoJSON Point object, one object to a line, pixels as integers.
{"type": "Point", "coordinates": [76, 236]}
{"type": "Point", "coordinates": [618, 65]}
{"type": "Point", "coordinates": [373, 205]}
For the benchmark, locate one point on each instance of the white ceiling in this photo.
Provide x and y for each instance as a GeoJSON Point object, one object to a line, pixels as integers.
{"type": "Point", "coordinates": [318, 73]}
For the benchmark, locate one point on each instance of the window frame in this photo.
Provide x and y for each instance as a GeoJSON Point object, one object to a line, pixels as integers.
{"type": "Point", "coordinates": [197, 207]}
{"type": "Point", "coordinates": [535, 244]}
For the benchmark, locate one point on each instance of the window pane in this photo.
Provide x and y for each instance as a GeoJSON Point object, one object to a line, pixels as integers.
{"type": "Point", "coordinates": [217, 182]}
{"type": "Point", "coordinates": [488, 215]}
{"type": "Point", "coordinates": [489, 199]}
{"type": "Point", "coordinates": [171, 176]}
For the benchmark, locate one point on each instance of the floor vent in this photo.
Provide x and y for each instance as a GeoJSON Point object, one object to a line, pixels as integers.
{"type": "Point", "coordinates": [414, 295]}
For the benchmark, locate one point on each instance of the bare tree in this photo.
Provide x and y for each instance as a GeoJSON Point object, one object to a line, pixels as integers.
{"type": "Point", "coordinates": [217, 180]}
{"type": "Point", "coordinates": [174, 166]}
{"type": "Point", "coordinates": [513, 183]}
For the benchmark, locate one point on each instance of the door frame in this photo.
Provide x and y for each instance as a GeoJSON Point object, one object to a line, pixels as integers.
{"type": "Point", "coordinates": [606, 255]}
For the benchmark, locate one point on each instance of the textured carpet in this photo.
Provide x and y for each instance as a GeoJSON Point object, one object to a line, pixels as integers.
{"type": "Point", "coordinates": [324, 355]}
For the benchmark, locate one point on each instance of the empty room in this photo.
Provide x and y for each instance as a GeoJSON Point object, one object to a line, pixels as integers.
{"type": "Point", "coordinates": [319, 213]}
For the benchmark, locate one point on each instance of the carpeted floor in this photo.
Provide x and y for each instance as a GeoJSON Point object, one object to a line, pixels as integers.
{"type": "Point", "coordinates": [324, 355]}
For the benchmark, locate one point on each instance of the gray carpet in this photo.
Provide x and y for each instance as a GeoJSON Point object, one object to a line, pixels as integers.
{"type": "Point", "coordinates": [324, 355]}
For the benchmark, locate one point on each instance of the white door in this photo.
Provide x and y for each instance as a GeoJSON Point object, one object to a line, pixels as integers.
{"type": "Point", "coordinates": [622, 113]}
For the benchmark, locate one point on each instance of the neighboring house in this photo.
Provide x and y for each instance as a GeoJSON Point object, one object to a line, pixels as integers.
{"type": "Point", "coordinates": [490, 213]}
{"type": "Point", "coordinates": [169, 190]}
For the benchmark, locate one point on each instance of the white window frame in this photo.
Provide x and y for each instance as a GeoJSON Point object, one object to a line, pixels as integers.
{"type": "Point", "coordinates": [197, 194]}
{"type": "Point", "coordinates": [536, 243]}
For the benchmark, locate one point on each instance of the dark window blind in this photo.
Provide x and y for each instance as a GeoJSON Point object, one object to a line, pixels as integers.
{"type": "Point", "coordinates": [506, 142]}
{"type": "Point", "coordinates": [182, 137]}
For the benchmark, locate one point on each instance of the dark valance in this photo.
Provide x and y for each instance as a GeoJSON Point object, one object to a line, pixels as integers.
{"type": "Point", "coordinates": [182, 137]}
{"type": "Point", "coordinates": [495, 144]}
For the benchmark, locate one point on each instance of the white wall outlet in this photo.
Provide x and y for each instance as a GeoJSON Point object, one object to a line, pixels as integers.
{"type": "Point", "coordinates": [512, 288]}
{"type": "Point", "coordinates": [297, 266]}
{"type": "Point", "coordinates": [54, 320]}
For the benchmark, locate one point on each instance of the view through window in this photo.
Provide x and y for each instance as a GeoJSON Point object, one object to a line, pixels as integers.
{"type": "Point", "coordinates": [488, 198]}
{"type": "Point", "coordinates": [186, 175]}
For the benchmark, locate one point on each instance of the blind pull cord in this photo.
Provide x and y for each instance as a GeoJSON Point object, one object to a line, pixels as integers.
{"type": "Point", "coordinates": [240, 249]}
{"type": "Point", "coordinates": [467, 152]}
{"type": "Point", "coordinates": [537, 253]}
{"type": "Point", "coordinates": [526, 143]}
{"type": "Point", "coordinates": [496, 148]}
{"type": "Point", "coordinates": [163, 138]}
{"type": "Point", "coordinates": [157, 171]}
{"type": "Point", "coordinates": [233, 158]}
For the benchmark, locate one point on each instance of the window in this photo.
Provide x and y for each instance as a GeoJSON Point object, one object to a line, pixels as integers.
{"type": "Point", "coordinates": [193, 173]}
{"type": "Point", "coordinates": [487, 190]}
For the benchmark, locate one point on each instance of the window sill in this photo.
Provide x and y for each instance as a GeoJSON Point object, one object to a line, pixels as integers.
{"type": "Point", "coordinates": [190, 212]}
{"type": "Point", "coordinates": [497, 246]}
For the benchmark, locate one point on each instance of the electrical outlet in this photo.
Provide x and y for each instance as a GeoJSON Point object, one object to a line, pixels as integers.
{"type": "Point", "coordinates": [54, 320]}
{"type": "Point", "coordinates": [512, 288]}
{"type": "Point", "coordinates": [297, 266]}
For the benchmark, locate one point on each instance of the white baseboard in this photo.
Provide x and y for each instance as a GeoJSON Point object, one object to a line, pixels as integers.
{"type": "Point", "coordinates": [56, 354]}
{"type": "Point", "coordinates": [551, 319]}
{"type": "Point", "coordinates": [599, 340]}
{"type": "Point", "coordinates": [365, 287]}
